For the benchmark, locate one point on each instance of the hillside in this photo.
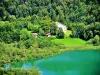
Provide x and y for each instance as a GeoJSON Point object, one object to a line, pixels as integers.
{"type": "Point", "coordinates": [75, 14]}
{"type": "Point", "coordinates": [20, 19]}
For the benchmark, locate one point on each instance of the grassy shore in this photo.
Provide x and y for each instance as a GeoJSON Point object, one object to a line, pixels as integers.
{"type": "Point", "coordinates": [38, 53]}
{"type": "Point", "coordinates": [48, 52]}
{"type": "Point", "coordinates": [70, 44]}
{"type": "Point", "coordinates": [84, 47]}
{"type": "Point", "coordinates": [62, 48]}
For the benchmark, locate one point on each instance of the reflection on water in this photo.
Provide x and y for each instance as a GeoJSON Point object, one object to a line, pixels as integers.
{"type": "Point", "coordinates": [68, 63]}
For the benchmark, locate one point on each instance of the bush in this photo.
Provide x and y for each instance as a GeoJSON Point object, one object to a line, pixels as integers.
{"type": "Point", "coordinates": [96, 40]}
{"type": "Point", "coordinates": [90, 41]}
{"type": "Point", "coordinates": [28, 43]}
{"type": "Point", "coordinates": [31, 71]}
{"type": "Point", "coordinates": [44, 42]}
{"type": "Point", "coordinates": [53, 29]}
{"type": "Point", "coordinates": [60, 33]}
{"type": "Point", "coordinates": [41, 32]}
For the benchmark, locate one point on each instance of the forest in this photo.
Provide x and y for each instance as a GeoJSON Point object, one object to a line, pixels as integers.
{"type": "Point", "coordinates": [20, 19]}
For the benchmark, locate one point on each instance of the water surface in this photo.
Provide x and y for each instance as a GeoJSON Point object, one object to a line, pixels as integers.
{"type": "Point", "coordinates": [69, 63]}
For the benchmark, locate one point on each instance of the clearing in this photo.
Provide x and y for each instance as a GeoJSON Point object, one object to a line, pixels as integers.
{"type": "Point", "coordinates": [70, 41]}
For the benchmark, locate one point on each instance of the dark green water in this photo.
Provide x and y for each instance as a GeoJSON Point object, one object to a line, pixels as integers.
{"type": "Point", "coordinates": [68, 63]}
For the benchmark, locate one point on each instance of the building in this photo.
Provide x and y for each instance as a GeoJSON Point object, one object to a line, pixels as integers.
{"type": "Point", "coordinates": [35, 35]}
{"type": "Point", "coordinates": [48, 34]}
{"type": "Point", "coordinates": [60, 25]}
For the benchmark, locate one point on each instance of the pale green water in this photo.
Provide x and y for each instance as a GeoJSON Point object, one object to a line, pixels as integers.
{"type": "Point", "coordinates": [68, 63]}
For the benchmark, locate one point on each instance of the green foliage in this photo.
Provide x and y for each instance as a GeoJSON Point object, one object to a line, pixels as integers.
{"type": "Point", "coordinates": [26, 39]}
{"type": "Point", "coordinates": [53, 15]}
{"type": "Point", "coordinates": [12, 18]}
{"type": "Point", "coordinates": [60, 33]}
{"type": "Point", "coordinates": [33, 14]}
{"type": "Point", "coordinates": [31, 71]}
{"type": "Point", "coordinates": [73, 11]}
{"type": "Point", "coordinates": [33, 28]}
{"type": "Point", "coordinates": [44, 42]}
{"type": "Point", "coordinates": [6, 31]}
{"type": "Point", "coordinates": [27, 43]}
{"type": "Point", "coordinates": [85, 32]}
{"type": "Point", "coordinates": [25, 34]}
{"type": "Point", "coordinates": [90, 41]}
{"type": "Point", "coordinates": [41, 32]}
{"type": "Point", "coordinates": [53, 29]}
{"type": "Point", "coordinates": [10, 53]}
{"type": "Point", "coordinates": [96, 40]}
{"type": "Point", "coordinates": [3, 13]}
{"type": "Point", "coordinates": [78, 30]}
{"type": "Point", "coordinates": [20, 18]}
{"type": "Point", "coordinates": [45, 24]}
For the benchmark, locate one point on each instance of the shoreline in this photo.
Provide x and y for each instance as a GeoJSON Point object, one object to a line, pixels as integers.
{"type": "Point", "coordinates": [67, 49]}
{"type": "Point", "coordinates": [53, 52]}
{"type": "Point", "coordinates": [60, 51]}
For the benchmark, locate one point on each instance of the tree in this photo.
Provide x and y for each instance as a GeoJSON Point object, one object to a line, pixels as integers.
{"type": "Point", "coordinates": [6, 32]}
{"type": "Point", "coordinates": [28, 43]}
{"type": "Point", "coordinates": [33, 28]}
{"type": "Point", "coordinates": [45, 24]}
{"type": "Point", "coordinates": [44, 42]}
{"type": "Point", "coordinates": [60, 33]}
{"type": "Point", "coordinates": [53, 29]}
{"type": "Point", "coordinates": [96, 40]}
{"type": "Point", "coordinates": [90, 34]}
{"type": "Point", "coordinates": [25, 34]}
{"type": "Point", "coordinates": [3, 13]}
{"type": "Point", "coordinates": [53, 15]}
{"type": "Point", "coordinates": [12, 18]}
{"type": "Point", "coordinates": [41, 32]}
{"type": "Point", "coordinates": [61, 16]}
{"type": "Point", "coordinates": [78, 30]}
{"type": "Point", "coordinates": [22, 11]}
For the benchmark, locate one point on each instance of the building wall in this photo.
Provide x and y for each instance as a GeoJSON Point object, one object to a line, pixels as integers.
{"type": "Point", "coordinates": [62, 26]}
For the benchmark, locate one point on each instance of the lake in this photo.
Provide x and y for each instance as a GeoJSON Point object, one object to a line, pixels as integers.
{"type": "Point", "coordinates": [78, 62]}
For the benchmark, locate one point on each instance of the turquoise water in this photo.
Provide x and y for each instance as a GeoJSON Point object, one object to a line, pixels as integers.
{"type": "Point", "coordinates": [69, 63]}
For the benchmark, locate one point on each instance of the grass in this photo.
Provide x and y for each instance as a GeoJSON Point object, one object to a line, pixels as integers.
{"type": "Point", "coordinates": [70, 41]}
